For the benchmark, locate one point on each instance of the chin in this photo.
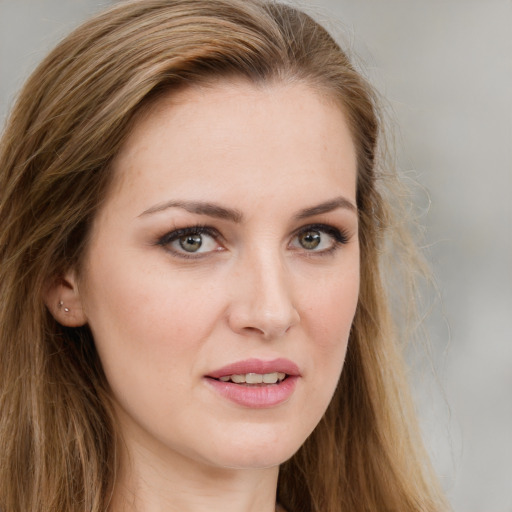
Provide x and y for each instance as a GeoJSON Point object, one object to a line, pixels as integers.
{"type": "Point", "coordinates": [255, 460]}
{"type": "Point", "coordinates": [256, 452]}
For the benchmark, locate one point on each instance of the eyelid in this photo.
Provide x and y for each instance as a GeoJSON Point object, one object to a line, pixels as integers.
{"type": "Point", "coordinates": [175, 234]}
{"type": "Point", "coordinates": [340, 236]}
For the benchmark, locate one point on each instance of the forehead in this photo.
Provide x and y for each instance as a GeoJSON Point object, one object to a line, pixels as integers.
{"type": "Point", "coordinates": [238, 133]}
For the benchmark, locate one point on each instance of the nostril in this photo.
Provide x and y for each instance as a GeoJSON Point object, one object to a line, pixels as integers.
{"type": "Point", "coordinates": [253, 330]}
{"type": "Point", "coordinates": [263, 304]}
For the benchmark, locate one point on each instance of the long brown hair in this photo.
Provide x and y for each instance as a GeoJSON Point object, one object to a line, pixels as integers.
{"type": "Point", "coordinates": [57, 429]}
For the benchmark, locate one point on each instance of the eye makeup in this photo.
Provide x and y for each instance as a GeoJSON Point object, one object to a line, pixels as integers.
{"type": "Point", "coordinates": [198, 241]}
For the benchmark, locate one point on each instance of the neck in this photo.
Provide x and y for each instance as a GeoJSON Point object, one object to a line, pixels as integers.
{"type": "Point", "coordinates": [175, 483]}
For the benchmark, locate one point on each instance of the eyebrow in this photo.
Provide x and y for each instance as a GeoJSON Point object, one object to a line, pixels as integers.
{"type": "Point", "coordinates": [200, 208]}
{"type": "Point", "coordinates": [328, 206]}
{"type": "Point", "coordinates": [234, 215]}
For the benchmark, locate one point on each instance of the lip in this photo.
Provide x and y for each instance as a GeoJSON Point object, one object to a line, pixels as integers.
{"type": "Point", "coordinates": [257, 366]}
{"type": "Point", "coordinates": [258, 396]}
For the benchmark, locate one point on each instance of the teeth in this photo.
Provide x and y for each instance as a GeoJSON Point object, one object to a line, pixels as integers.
{"type": "Point", "coordinates": [238, 379]}
{"type": "Point", "coordinates": [255, 378]}
{"type": "Point", "coordinates": [269, 378]}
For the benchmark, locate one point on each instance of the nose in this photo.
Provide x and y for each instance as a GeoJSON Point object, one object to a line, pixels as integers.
{"type": "Point", "coordinates": [262, 298]}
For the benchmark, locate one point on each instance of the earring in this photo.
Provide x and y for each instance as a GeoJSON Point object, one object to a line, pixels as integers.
{"type": "Point", "coordinates": [61, 303]}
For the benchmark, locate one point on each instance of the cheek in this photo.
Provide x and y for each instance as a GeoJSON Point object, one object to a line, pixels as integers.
{"type": "Point", "coordinates": [149, 330]}
{"type": "Point", "coordinates": [330, 307]}
{"type": "Point", "coordinates": [145, 320]}
{"type": "Point", "coordinates": [329, 310]}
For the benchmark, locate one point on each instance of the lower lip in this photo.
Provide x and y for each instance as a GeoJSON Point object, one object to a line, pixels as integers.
{"type": "Point", "coordinates": [256, 397]}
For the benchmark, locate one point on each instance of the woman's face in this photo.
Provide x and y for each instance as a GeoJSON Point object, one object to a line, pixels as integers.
{"type": "Point", "coordinates": [226, 251]}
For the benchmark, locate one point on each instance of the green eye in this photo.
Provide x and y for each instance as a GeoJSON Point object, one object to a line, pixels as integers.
{"type": "Point", "coordinates": [191, 243]}
{"type": "Point", "coordinates": [319, 239]}
{"type": "Point", "coordinates": [310, 239]}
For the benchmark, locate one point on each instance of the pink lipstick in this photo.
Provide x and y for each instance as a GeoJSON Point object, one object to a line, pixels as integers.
{"type": "Point", "coordinates": [255, 383]}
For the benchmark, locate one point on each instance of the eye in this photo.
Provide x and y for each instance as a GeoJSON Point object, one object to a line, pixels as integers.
{"type": "Point", "coordinates": [191, 241]}
{"type": "Point", "coordinates": [310, 239]}
{"type": "Point", "coordinates": [319, 238]}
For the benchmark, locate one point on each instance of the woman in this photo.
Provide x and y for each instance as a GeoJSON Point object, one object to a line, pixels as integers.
{"type": "Point", "coordinates": [193, 316]}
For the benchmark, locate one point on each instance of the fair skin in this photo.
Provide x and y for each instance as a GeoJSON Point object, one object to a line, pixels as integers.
{"type": "Point", "coordinates": [261, 181]}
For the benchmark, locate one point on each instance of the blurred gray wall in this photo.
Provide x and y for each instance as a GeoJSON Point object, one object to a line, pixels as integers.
{"type": "Point", "coordinates": [445, 68]}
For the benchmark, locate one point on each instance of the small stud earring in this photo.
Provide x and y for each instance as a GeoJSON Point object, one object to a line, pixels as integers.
{"type": "Point", "coordinates": [66, 310]}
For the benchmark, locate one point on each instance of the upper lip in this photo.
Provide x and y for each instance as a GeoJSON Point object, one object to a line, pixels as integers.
{"type": "Point", "coordinates": [259, 366]}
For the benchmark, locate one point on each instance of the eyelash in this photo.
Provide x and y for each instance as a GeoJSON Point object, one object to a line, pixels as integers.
{"type": "Point", "coordinates": [198, 229]}
{"type": "Point", "coordinates": [339, 237]}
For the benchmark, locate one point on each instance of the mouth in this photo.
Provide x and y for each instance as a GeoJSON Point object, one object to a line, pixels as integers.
{"type": "Point", "coordinates": [255, 383]}
{"type": "Point", "coordinates": [256, 371]}
{"type": "Point", "coordinates": [254, 379]}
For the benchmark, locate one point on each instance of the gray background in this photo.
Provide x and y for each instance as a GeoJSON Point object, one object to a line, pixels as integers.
{"type": "Point", "coordinates": [445, 68]}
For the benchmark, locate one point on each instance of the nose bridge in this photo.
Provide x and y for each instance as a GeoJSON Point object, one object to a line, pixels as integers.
{"type": "Point", "coordinates": [264, 300]}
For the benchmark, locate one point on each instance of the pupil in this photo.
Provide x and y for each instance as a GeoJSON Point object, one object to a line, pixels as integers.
{"type": "Point", "coordinates": [191, 243]}
{"type": "Point", "coordinates": [310, 240]}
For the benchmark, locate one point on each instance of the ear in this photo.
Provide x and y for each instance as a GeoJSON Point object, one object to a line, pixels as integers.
{"type": "Point", "coordinates": [62, 298]}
